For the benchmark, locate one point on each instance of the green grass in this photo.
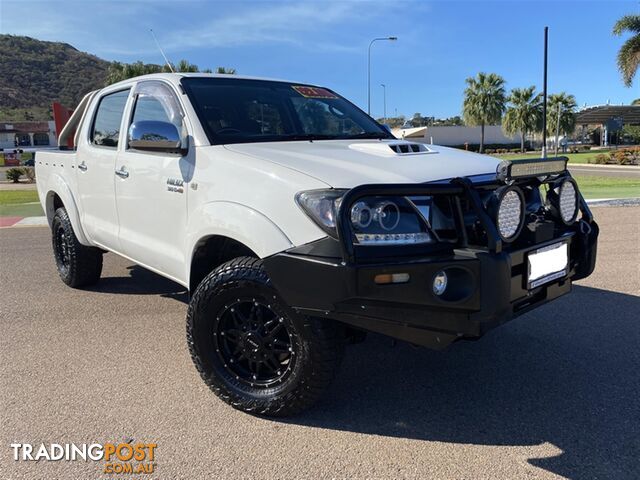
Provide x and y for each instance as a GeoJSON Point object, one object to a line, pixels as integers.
{"type": "Point", "coordinates": [608, 187]}
{"type": "Point", "coordinates": [21, 210]}
{"type": "Point", "coordinates": [11, 197]}
{"type": "Point", "coordinates": [582, 157]}
{"type": "Point", "coordinates": [19, 203]}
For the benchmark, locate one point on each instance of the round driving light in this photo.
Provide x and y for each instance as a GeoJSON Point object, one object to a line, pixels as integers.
{"type": "Point", "coordinates": [388, 215]}
{"type": "Point", "coordinates": [361, 215]}
{"type": "Point", "coordinates": [440, 283]}
{"type": "Point", "coordinates": [510, 214]}
{"type": "Point", "coordinates": [568, 202]}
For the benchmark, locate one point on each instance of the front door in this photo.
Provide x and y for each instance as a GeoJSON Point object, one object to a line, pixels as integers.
{"type": "Point", "coordinates": [151, 189]}
{"type": "Point", "coordinates": [96, 183]}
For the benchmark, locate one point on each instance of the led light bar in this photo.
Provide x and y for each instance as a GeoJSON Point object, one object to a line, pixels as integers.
{"type": "Point", "coordinates": [392, 238]}
{"type": "Point", "coordinates": [531, 168]}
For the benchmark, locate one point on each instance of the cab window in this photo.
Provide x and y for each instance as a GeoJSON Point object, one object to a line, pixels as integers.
{"type": "Point", "coordinates": [106, 125]}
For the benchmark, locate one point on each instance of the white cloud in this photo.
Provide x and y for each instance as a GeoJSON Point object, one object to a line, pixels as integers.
{"type": "Point", "coordinates": [280, 23]}
{"type": "Point", "coordinates": [120, 28]}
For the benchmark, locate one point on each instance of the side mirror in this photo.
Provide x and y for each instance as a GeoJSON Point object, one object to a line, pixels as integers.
{"type": "Point", "coordinates": [155, 136]}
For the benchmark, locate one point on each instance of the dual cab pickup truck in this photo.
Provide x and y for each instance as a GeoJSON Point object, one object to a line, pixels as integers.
{"type": "Point", "coordinates": [298, 223]}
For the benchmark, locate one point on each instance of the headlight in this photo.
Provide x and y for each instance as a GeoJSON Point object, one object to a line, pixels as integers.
{"type": "Point", "coordinates": [374, 220]}
{"type": "Point", "coordinates": [509, 212]}
{"type": "Point", "coordinates": [387, 221]}
{"type": "Point", "coordinates": [322, 207]}
{"type": "Point", "coordinates": [568, 202]}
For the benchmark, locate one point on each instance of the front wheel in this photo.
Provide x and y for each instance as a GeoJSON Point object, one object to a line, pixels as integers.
{"type": "Point", "coordinates": [252, 350]}
{"type": "Point", "coordinates": [78, 265]}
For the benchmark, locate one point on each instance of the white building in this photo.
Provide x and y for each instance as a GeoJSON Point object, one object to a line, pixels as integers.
{"type": "Point", "coordinates": [27, 134]}
{"type": "Point", "coordinates": [456, 136]}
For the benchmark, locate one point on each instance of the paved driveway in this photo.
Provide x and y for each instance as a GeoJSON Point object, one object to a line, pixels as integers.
{"type": "Point", "coordinates": [555, 393]}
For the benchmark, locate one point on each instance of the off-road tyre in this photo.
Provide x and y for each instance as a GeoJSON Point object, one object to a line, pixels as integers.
{"type": "Point", "coordinates": [78, 265]}
{"type": "Point", "coordinates": [316, 345]}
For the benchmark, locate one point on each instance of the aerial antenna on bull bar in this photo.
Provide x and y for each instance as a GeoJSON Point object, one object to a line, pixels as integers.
{"type": "Point", "coordinates": [161, 51]}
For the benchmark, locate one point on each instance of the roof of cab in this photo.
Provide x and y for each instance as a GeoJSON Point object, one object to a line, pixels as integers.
{"type": "Point", "coordinates": [175, 77]}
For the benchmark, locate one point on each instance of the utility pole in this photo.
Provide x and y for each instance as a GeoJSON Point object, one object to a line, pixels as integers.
{"type": "Point", "coordinates": [558, 127]}
{"type": "Point", "coordinates": [384, 95]}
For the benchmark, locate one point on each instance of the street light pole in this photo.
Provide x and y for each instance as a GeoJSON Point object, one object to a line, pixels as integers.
{"type": "Point", "coordinates": [558, 127]}
{"type": "Point", "coordinates": [384, 93]}
{"type": "Point", "coordinates": [393, 39]}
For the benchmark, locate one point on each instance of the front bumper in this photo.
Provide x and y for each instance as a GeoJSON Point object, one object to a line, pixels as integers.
{"type": "Point", "coordinates": [487, 287]}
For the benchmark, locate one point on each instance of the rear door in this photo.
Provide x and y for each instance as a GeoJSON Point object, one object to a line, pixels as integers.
{"type": "Point", "coordinates": [97, 159]}
{"type": "Point", "coordinates": [151, 188]}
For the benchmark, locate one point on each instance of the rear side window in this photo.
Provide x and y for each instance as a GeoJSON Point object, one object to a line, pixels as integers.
{"type": "Point", "coordinates": [106, 126]}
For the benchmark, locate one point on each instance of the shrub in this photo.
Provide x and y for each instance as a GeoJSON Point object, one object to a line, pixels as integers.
{"type": "Point", "coordinates": [14, 174]}
{"type": "Point", "coordinates": [489, 151]}
{"type": "Point", "coordinates": [30, 173]}
{"type": "Point", "coordinates": [601, 159]}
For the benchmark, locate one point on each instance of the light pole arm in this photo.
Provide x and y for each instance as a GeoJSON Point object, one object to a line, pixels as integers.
{"type": "Point", "coordinates": [369, 70]}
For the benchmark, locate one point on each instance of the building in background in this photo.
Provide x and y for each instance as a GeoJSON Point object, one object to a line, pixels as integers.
{"type": "Point", "coordinates": [27, 135]}
{"type": "Point", "coordinates": [607, 121]}
{"type": "Point", "coordinates": [456, 136]}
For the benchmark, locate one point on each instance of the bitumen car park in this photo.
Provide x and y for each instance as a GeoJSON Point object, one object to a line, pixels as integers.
{"type": "Point", "coordinates": [553, 393]}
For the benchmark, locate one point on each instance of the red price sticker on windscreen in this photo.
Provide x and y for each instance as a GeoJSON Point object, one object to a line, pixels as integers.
{"type": "Point", "coordinates": [314, 92]}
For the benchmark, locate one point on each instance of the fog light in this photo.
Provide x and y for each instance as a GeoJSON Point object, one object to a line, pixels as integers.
{"type": "Point", "coordinates": [439, 283]}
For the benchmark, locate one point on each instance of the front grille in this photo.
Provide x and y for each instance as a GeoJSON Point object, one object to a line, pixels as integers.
{"type": "Point", "coordinates": [539, 226]}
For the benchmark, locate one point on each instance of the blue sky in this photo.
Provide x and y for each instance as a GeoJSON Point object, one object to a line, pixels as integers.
{"type": "Point", "coordinates": [440, 43]}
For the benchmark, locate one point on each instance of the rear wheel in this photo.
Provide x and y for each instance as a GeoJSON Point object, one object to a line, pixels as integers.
{"type": "Point", "coordinates": [78, 265]}
{"type": "Point", "coordinates": [252, 350]}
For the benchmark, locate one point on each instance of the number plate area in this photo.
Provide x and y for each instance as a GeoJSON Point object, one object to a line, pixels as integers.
{"type": "Point", "coordinates": [547, 264]}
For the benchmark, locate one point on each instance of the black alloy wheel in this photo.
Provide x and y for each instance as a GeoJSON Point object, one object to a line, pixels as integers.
{"type": "Point", "coordinates": [254, 343]}
{"type": "Point", "coordinates": [255, 352]}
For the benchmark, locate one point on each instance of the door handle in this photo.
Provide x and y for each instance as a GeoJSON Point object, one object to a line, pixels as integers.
{"type": "Point", "coordinates": [82, 167]}
{"type": "Point", "coordinates": [122, 173]}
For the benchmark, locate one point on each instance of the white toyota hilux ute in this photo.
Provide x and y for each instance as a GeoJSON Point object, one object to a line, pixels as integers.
{"type": "Point", "coordinates": [298, 223]}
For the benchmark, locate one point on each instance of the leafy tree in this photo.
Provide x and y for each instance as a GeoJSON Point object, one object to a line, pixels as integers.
{"type": "Point", "coordinates": [567, 105]}
{"type": "Point", "coordinates": [484, 101]}
{"type": "Point", "coordinates": [636, 102]}
{"type": "Point", "coordinates": [632, 131]}
{"type": "Point", "coordinates": [629, 53]}
{"type": "Point", "coordinates": [121, 71]}
{"type": "Point", "coordinates": [524, 113]}
{"type": "Point", "coordinates": [223, 70]}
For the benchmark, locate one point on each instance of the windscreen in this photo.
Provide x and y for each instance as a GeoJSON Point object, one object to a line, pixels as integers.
{"type": "Point", "coordinates": [245, 111]}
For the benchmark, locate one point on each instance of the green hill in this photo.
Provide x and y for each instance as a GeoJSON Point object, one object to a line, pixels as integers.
{"type": "Point", "coordinates": [35, 73]}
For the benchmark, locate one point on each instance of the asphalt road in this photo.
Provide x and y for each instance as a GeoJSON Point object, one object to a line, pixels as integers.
{"type": "Point", "coordinates": [555, 393]}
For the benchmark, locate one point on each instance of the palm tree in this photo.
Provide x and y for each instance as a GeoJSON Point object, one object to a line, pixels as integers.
{"type": "Point", "coordinates": [484, 101]}
{"type": "Point", "coordinates": [524, 113]}
{"type": "Point", "coordinates": [629, 54]}
{"type": "Point", "coordinates": [561, 108]}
